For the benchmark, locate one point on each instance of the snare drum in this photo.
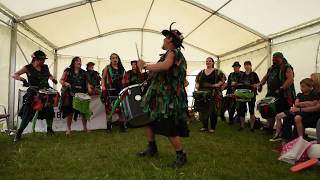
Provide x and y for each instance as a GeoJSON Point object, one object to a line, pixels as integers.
{"type": "Point", "coordinates": [131, 99]}
{"type": "Point", "coordinates": [243, 95]}
{"type": "Point", "coordinates": [44, 98]}
{"type": "Point", "coordinates": [81, 102]}
{"type": "Point", "coordinates": [267, 107]}
{"type": "Point", "coordinates": [201, 100]}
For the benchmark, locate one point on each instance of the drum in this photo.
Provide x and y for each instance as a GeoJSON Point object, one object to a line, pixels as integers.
{"type": "Point", "coordinates": [81, 102]}
{"type": "Point", "coordinates": [201, 100]}
{"type": "Point", "coordinates": [131, 98]}
{"type": "Point", "coordinates": [44, 98]}
{"type": "Point", "coordinates": [243, 95]}
{"type": "Point", "coordinates": [267, 107]}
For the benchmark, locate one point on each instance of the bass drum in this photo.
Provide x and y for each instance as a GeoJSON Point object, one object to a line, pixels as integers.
{"type": "Point", "coordinates": [131, 104]}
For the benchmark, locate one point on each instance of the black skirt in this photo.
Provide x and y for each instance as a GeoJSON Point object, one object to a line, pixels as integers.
{"type": "Point", "coordinates": [170, 127]}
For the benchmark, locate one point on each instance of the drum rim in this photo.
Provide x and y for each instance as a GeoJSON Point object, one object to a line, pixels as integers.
{"type": "Point", "coordinates": [47, 91]}
{"type": "Point", "coordinates": [128, 87]}
{"type": "Point", "coordinates": [272, 100]}
{"type": "Point", "coordinates": [249, 90]}
{"type": "Point", "coordinates": [87, 95]}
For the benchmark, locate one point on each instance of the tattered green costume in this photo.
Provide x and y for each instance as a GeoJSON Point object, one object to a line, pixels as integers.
{"type": "Point", "coordinates": [165, 99]}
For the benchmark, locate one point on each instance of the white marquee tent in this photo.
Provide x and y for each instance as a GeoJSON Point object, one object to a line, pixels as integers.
{"type": "Point", "coordinates": [227, 30]}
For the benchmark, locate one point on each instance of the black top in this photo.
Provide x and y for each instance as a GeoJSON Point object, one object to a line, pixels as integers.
{"type": "Point", "coordinates": [214, 77]}
{"type": "Point", "coordinates": [93, 78]}
{"type": "Point", "coordinates": [273, 81]}
{"type": "Point", "coordinates": [78, 81]}
{"type": "Point", "coordinates": [233, 77]}
{"type": "Point", "coordinates": [309, 97]}
{"type": "Point", "coordinates": [38, 78]}
{"type": "Point", "coordinates": [247, 80]}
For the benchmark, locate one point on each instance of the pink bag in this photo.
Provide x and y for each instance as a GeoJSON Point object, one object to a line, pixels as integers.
{"type": "Point", "coordinates": [295, 151]}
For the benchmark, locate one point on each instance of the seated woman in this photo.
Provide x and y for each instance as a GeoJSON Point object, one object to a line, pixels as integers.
{"type": "Point", "coordinates": [306, 98]}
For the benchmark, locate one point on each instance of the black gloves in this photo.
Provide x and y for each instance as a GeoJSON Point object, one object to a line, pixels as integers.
{"type": "Point", "coordinates": [25, 82]}
{"type": "Point", "coordinates": [54, 81]}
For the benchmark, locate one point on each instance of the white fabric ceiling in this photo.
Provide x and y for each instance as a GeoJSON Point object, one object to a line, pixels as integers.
{"type": "Point", "coordinates": [208, 34]}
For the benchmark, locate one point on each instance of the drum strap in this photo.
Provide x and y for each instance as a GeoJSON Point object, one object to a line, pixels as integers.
{"type": "Point", "coordinates": [110, 75]}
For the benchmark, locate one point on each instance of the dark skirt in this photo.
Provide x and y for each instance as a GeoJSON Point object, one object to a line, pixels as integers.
{"type": "Point", "coordinates": [170, 127]}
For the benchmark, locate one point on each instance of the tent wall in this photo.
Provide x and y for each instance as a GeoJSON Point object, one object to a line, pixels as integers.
{"type": "Point", "coordinates": [4, 63]}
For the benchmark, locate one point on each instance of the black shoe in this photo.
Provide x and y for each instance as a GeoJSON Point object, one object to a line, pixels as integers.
{"type": "Point", "coordinates": [17, 137]}
{"type": "Point", "coordinates": [109, 127]}
{"type": "Point", "coordinates": [150, 151]}
{"type": "Point", "coordinates": [181, 159]}
{"type": "Point", "coordinates": [50, 132]}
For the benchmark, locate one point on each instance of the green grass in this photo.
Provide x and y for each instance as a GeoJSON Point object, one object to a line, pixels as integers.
{"type": "Point", "coordinates": [226, 154]}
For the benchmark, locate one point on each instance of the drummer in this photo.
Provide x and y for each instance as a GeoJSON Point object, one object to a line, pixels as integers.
{"type": "Point", "coordinates": [231, 84]}
{"type": "Point", "coordinates": [279, 79]}
{"type": "Point", "coordinates": [249, 80]}
{"type": "Point", "coordinates": [210, 79]}
{"type": "Point", "coordinates": [111, 85]}
{"type": "Point", "coordinates": [93, 80]}
{"type": "Point", "coordinates": [133, 76]}
{"type": "Point", "coordinates": [73, 80]}
{"type": "Point", "coordinates": [165, 98]}
{"type": "Point", "coordinates": [38, 75]}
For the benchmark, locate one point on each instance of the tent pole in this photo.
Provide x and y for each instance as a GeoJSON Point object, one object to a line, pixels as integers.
{"type": "Point", "coordinates": [269, 52]}
{"type": "Point", "coordinates": [12, 69]}
{"type": "Point", "coordinates": [55, 66]}
{"type": "Point", "coordinates": [24, 55]}
{"type": "Point", "coordinates": [317, 57]}
{"type": "Point", "coordinates": [218, 63]}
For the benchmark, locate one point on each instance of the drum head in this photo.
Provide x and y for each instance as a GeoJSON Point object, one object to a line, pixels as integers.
{"type": "Point", "coordinates": [82, 96]}
{"type": "Point", "coordinates": [266, 101]}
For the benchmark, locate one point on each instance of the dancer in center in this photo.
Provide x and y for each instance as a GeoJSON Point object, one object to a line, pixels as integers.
{"type": "Point", "coordinates": [165, 98]}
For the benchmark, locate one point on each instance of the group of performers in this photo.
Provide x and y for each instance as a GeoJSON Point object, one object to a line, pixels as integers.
{"type": "Point", "coordinates": [165, 100]}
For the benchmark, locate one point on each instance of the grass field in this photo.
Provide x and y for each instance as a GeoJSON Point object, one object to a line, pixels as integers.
{"type": "Point", "coordinates": [226, 154]}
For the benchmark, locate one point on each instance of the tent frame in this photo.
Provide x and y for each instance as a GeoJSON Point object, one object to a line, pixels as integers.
{"type": "Point", "coordinates": [16, 20]}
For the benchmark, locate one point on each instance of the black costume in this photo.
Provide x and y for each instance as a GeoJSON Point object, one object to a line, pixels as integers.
{"type": "Point", "coordinates": [37, 80]}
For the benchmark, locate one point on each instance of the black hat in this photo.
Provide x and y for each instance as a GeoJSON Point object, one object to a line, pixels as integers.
{"type": "Point", "coordinates": [176, 34]}
{"type": "Point", "coordinates": [134, 61]}
{"type": "Point", "coordinates": [247, 62]}
{"type": "Point", "coordinates": [39, 55]}
{"type": "Point", "coordinates": [90, 64]}
{"type": "Point", "coordinates": [236, 64]}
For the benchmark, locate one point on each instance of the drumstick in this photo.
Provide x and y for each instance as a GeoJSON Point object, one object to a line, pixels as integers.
{"type": "Point", "coordinates": [137, 51]}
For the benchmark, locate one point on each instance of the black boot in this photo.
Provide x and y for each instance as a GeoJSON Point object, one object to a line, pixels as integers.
{"type": "Point", "coordinates": [181, 159]}
{"type": "Point", "coordinates": [50, 131]}
{"type": "Point", "coordinates": [123, 127]}
{"type": "Point", "coordinates": [17, 137]}
{"type": "Point", "coordinates": [151, 150]}
{"type": "Point", "coordinates": [109, 127]}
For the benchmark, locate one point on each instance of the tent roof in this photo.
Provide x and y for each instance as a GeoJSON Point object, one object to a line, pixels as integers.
{"type": "Point", "coordinates": [66, 23]}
